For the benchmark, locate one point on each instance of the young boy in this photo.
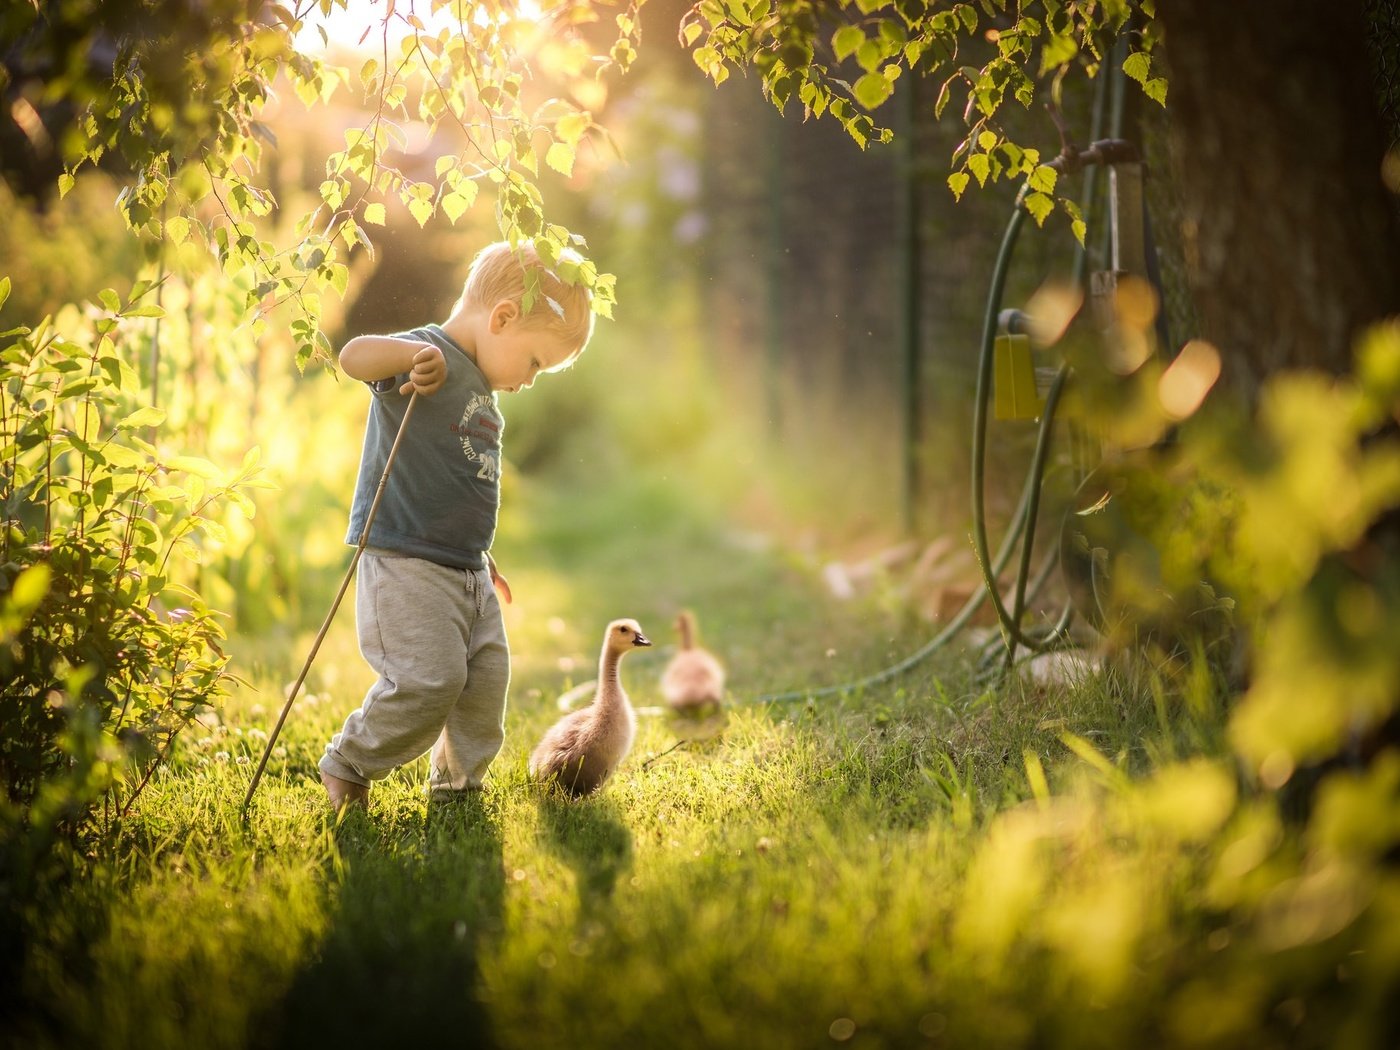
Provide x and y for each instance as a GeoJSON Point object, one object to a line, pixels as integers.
{"type": "Point", "coordinates": [428, 618]}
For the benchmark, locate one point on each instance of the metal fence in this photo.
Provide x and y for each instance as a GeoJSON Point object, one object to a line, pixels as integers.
{"type": "Point", "coordinates": [847, 288]}
{"type": "Point", "coordinates": [1383, 17]}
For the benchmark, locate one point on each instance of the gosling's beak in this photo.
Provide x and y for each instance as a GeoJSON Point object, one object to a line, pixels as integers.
{"type": "Point", "coordinates": [641, 639]}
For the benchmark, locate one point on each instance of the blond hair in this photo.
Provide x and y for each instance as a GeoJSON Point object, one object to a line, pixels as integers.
{"type": "Point", "coordinates": [499, 272]}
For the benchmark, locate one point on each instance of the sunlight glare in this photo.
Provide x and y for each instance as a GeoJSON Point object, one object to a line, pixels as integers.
{"type": "Point", "coordinates": [1128, 350]}
{"type": "Point", "coordinates": [1188, 379]}
{"type": "Point", "coordinates": [1135, 302]}
{"type": "Point", "coordinates": [368, 25]}
{"type": "Point", "coordinates": [1390, 169]}
{"type": "Point", "coordinates": [1051, 309]}
{"type": "Point", "coordinates": [1132, 341]}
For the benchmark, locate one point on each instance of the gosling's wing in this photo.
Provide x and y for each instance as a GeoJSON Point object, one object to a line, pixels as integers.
{"type": "Point", "coordinates": [577, 753]}
{"type": "Point", "coordinates": [561, 746]}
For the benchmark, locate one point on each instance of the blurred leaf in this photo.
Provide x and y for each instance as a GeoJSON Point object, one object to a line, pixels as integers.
{"type": "Point", "coordinates": [1043, 179]}
{"type": "Point", "coordinates": [1092, 756]}
{"type": "Point", "coordinates": [846, 40]}
{"type": "Point", "coordinates": [1377, 370]}
{"type": "Point", "coordinates": [1138, 66]}
{"type": "Point", "coordinates": [1035, 776]}
{"type": "Point", "coordinates": [1058, 49]}
{"type": "Point", "coordinates": [1040, 206]}
{"type": "Point", "coordinates": [1190, 801]}
{"type": "Point", "coordinates": [560, 157]}
{"type": "Point", "coordinates": [29, 588]}
{"type": "Point", "coordinates": [1358, 811]}
{"type": "Point", "coordinates": [872, 90]}
{"type": "Point", "coordinates": [193, 465]}
{"type": "Point", "coordinates": [980, 165]}
{"type": "Point", "coordinates": [142, 417]}
{"type": "Point", "coordinates": [421, 210]}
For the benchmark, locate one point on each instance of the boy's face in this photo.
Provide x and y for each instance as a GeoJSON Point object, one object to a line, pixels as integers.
{"type": "Point", "coordinates": [511, 353]}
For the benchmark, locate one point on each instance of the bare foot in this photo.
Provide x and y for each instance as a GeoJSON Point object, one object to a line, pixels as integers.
{"type": "Point", "coordinates": [344, 792]}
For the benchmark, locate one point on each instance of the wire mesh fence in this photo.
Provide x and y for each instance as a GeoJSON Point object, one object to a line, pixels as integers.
{"type": "Point", "coordinates": [1383, 37]}
{"type": "Point", "coordinates": [819, 296]}
{"type": "Point", "coordinates": [858, 343]}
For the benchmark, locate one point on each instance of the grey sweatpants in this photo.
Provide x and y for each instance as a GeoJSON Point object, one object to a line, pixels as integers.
{"type": "Point", "coordinates": [435, 637]}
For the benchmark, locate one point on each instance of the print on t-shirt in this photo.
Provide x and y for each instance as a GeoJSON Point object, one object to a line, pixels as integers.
{"type": "Point", "coordinates": [480, 434]}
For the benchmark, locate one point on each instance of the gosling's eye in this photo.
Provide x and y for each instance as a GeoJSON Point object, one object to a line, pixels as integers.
{"type": "Point", "coordinates": [625, 630]}
{"type": "Point", "coordinates": [534, 364]}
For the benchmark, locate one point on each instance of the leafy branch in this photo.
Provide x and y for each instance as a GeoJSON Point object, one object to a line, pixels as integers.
{"type": "Point", "coordinates": [843, 58]}
{"type": "Point", "coordinates": [183, 102]}
{"type": "Point", "coordinates": [96, 624]}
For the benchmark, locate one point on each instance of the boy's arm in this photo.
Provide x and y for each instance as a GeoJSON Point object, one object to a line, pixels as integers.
{"type": "Point", "coordinates": [497, 579]}
{"type": "Point", "coordinates": [370, 358]}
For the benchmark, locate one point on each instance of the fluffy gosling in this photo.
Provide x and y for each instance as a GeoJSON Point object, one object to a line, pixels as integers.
{"type": "Point", "coordinates": [583, 749]}
{"type": "Point", "coordinates": [693, 682]}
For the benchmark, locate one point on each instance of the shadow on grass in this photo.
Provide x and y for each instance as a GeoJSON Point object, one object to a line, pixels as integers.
{"type": "Point", "coordinates": [591, 838]}
{"type": "Point", "coordinates": [418, 898]}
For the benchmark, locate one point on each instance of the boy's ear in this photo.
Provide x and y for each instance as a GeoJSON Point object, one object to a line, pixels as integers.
{"type": "Point", "coordinates": [504, 312]}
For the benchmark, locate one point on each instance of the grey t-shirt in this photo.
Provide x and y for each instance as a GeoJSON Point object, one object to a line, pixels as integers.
{"type": "Point", "coordinates": [444, 490]}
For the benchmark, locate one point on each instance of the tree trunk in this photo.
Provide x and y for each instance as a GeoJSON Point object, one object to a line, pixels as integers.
{"type": "Point", "coordinates": [1289, 234]}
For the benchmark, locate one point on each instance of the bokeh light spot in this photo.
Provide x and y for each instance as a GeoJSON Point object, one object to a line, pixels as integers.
{"type": "Point", "coordinates": [1051, 309]}
{"type": "Point", "coordinates": [1188, 379]}
{"type": "Point", "coordinates": [932, 1025]}
{"type": "Point", "coordinates": [1276, 769]}
{"type": "Point", "coordinates": [1390, 169]}
{"type": "Point", "coordinates": [842, 1029]}
{"type": "Point", "coordinates": [1135, 302]}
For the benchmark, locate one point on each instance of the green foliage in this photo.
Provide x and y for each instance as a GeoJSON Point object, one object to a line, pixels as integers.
{"type": "Point", "coordinates": [983, 54]}
{"type": "Point", "coordinates": [1286, 517]}
{"type": "Point", "coordinates": [1048, 866]}
{"type": "Point", "coordinates": [63, 254]}
{"type": "Point", "coordinates": [100, 529]}
{"type": "Point", "coordinates": [1073, 866]}
{"type": "Point", "coordinates": [183, 104]}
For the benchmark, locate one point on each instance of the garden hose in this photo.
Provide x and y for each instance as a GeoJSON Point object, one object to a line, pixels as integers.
{"type": "Point", "coordinates": [939, 640]}
{"type": "Point", "coordinates": [1037, 471]}
{"type": "Point", "coordinates": [1010, 629]}
{"type": "Point", "coordinates": [1023, 520]}
{"type": "Point", "coordinates": [1100, 152]}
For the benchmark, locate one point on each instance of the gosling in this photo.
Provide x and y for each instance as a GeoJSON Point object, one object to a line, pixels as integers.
{"type": "Point", "coordinates": [583, 749]}
{"type": "Point", "coordinates": [693, 682]}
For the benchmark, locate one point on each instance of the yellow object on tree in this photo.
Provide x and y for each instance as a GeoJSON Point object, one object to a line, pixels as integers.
{"type": "Point", "coordinates": [1014, 379]}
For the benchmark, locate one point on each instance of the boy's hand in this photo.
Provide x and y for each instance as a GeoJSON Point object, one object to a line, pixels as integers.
{"type": "Point", "coordinates": [428, 373]}
{"type": "Point", "coordinates": [502, 588]}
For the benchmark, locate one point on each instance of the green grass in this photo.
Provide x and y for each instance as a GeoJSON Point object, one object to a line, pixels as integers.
{"type": "Point", "coordinates": [879, 869]}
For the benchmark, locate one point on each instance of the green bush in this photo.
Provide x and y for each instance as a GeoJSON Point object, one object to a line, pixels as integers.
{"type": "Point", "coordinates": [1290, 515]}
{"type": "Point", "coordinates": [97, 626]}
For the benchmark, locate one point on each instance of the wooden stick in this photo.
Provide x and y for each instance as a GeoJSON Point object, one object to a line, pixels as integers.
{"type": "Point", "coordinates": [335, 605]}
